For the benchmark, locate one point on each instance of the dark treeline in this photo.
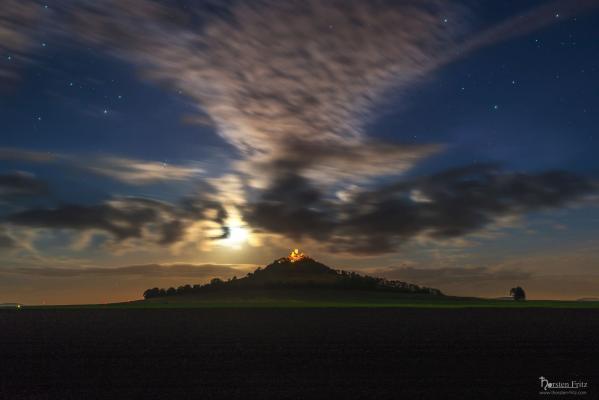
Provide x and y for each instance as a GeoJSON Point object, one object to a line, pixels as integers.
{"type": "Point", "coordinates": [342, 280]}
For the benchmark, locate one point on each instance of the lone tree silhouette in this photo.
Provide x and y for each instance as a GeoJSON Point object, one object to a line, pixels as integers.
{"type": "Point", "coordinates": [518, 293]}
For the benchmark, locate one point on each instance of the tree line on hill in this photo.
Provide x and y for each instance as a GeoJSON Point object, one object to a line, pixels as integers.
{"type": "Point", "coordinates": [345, 280]}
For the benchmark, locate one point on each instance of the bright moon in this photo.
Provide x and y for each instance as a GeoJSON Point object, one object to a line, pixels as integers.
{"type": "Point", "coordinates": [237, 236]}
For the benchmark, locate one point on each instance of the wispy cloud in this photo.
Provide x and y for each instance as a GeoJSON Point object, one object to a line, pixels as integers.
{"type": "Point", "coordinates": [137, 172]}
{"type": "Point", "coordinates": [18, 24]}
{"type": "Point", "coordinates": [18, 184]}
{"type": "Point", "coordinates": [281, 80]}
{"type": "Point", "coordinates": [274, 75]}
{"type": "Point", "coordinates": [452, 275]}
{"type": "Point", "coordinates": [529, 21]}
{"type": "Point", "coordinates": [123, 169]}
{"type": "Point", "coordinates": [146, 270]}
{"type": "Point", "coordinates": [14, 154]}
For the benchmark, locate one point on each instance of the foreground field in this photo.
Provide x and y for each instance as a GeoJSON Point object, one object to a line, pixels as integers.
{"type": "Point", "coordinates": [294, 353]}
{"type": "Point", "coordinates": [349, 300]}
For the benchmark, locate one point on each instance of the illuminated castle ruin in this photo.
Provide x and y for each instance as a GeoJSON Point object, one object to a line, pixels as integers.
{"type": "Point", "coordinates": [296, 256]}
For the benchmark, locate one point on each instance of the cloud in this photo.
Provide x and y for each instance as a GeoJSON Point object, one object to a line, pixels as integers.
{"type": "Point", "coordinates": [18, 22]}
{"type": "Point", "coordinates": [341, 163]}
{"type": "Point", "coordinates": [372, 221]}
{"type": "Point", "coordinates": [282, 77]}
{"type": "Point", "coordinates": [121, 221]}
{"type": "Point", "coordinates": [13, 154]}
{"type": "Point", "coordinates": [128, 218]}
{"type": "Point", "coordinates": [450, 275]}
{"type": "Point", "coordinates": [6, 242]}
{"type": "Point", "coordinates": [273, 76]}
{"type": "Point", "coordinates": [128, 170]}
{"type": "Point", "coordinates": [534, 19]}
{"type": "Point", "coordinates": [293, 85]}
{"type": "Point", "coordinates": [146, 270]}
{"type": "Point", "coordinates": [17, 184]}
{"type": "Point", "coordinates": [276, 75]}
{"type": "Point", "coordinates": [137, 172]}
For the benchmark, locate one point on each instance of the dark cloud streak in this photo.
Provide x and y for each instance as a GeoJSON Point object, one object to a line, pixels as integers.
{"type": "Point", "coordinates": [125, 218]}
{"type": "Point", "coordinates": [446, 205]}
{"type": "Point", "coordinates": [18, 184]}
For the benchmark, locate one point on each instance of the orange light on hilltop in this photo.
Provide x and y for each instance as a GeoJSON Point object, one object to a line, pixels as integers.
{"type": "Point", "coordinates": [296, 256]}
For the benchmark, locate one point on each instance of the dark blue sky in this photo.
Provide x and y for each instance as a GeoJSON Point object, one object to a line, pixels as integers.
{"type": "Point", "coordinates": [530, 103]}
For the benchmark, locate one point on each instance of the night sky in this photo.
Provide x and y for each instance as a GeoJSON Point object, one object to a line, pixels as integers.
{"type": "Point", "coordinates": [159, 143]}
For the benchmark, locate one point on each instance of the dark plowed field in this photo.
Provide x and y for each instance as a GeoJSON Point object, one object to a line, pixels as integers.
{"type": "Point", "coordinates": [295, 353]}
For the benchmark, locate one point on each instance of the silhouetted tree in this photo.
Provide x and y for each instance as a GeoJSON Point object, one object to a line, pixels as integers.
{"type": "Point", "coordinates": [171, 291]}
{"type": "Point", "coordinates": [216, 282]}
{"type": "Point", "coordinates": [184, 289]}
{"type": "Point", "coordinates": [518, 293]}
{"type": "Point", "coordinates": [150, 293]}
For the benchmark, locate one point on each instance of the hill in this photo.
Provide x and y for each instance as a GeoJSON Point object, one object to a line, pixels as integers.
{"type": "Point", "coordinates": [298, 272]}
